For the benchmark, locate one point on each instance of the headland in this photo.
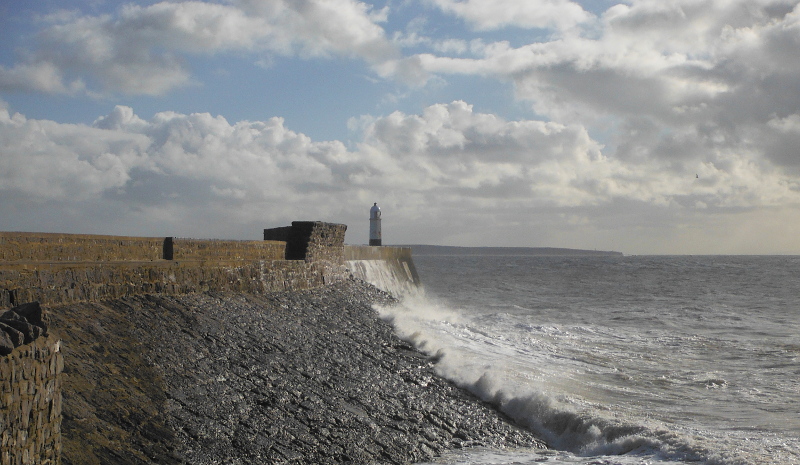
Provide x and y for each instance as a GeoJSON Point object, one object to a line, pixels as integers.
{"type": "Point", "coordinates": [169, 350]}
{"type": "Point", "coordinates": [420, 249]}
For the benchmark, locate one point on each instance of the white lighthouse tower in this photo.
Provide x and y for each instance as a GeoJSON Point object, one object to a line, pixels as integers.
{"type": "Point", "coordinates": [375, 225]}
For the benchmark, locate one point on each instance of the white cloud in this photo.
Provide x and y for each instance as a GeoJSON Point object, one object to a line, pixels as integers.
{"type": "Point", "coordinates": [476, 162]}
{"type": "Point", "coordinates": [36, 77]}
{"type": "Point", "coordinates": [173, 171]}
{"type": "Point", "coordinates": [47, 160]}
{"type": "Point", "coordinates": [675, 87]}
{"type": "Point", "coordinates": [666, 59]}
{"type": "Point", "coordinates": [448, 165]}
{"type": "Point", "coordinates": [448, 149]}
{"type": "Point", "coordinates": [141, 49]}
{"type": "Point", "coordinates": [494, 14]}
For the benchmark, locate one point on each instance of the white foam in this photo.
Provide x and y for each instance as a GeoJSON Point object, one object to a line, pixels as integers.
{"type": "Point", "coordinates": [392, 276]}
{"type": "Point", "coordinates": [477, 358]}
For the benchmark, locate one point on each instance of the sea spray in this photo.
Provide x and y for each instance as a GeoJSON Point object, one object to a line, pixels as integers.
{"type": "Point", "coordinates": [470, 352]}
{"type": "Point", "coordinates": [698, 352]}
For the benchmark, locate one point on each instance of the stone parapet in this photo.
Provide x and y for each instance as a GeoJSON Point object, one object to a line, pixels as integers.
{"type": "Point", "coordinates": [27, 246]}
{"type": "Point", "coordinates": [30, 404]}
{"type": "Point", "coordinates": [46, 247]}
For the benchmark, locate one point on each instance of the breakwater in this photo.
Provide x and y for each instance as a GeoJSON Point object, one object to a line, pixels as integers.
{"type": "Point", "coordinates": [61, 268]}
{"type": "Point", "coordinates": [187, 351]}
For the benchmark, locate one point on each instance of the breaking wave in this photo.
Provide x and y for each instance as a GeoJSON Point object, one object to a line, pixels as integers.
{"type": "Point", "coordinates": [489, 358]}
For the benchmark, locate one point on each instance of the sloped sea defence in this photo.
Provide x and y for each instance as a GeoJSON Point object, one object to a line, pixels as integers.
{"type": "Point", "coordinates": [292, 377]}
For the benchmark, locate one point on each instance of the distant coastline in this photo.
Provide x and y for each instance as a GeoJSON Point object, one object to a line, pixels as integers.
{"type": "Point", "coordinates": [419, 250]}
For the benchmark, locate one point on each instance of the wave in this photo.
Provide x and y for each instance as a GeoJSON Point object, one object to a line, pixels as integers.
{"type": "Point", "coordinates": [471, 354]}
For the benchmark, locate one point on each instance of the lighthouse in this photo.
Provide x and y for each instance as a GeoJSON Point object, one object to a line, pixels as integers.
{"type": "Point", "coordinates": [375, 225]}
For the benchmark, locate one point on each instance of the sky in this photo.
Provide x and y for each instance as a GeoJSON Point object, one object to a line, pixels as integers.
{"type": "Point", "coordinates": [640, 126]}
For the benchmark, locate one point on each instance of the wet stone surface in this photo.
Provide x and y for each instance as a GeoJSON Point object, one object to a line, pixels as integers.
{"type": "Point", "coordinates": [303, 377]}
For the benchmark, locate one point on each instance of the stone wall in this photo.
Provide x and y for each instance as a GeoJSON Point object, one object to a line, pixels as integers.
{"type": "Point", "coordinates": [24, 246]}
{"type": "Point", "coordinates": [30, 404]}
{"type": "Point", "coordinates": [204, 249]}
{"type": "Point", "coordinates": [56, 283]}
{"type": "Point", "coordinates": [46, 247]}
{"type": "Point", "coordinates": [30, 388]}
{"type": "Point", "coordinates": [63, 268]}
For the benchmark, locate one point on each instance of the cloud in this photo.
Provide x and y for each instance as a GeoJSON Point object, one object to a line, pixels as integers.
{"type": "Point", "coordinates": [676, 61]}
{"type": "Point", "coordinates": [495, 14]}
{"type": "Point", "coordinates": [36, 77]}
{"type": "Point", "coordinates": [142, 49]}
{"type": "Point", "coordinates": [48, 160]}
{"type": "Point", "coordinates": [678, 86]}
{"type": "Point", "coordinates": [173, 167]}
{"type": "Point", "coordinates": [198, 159]}
{"type": "Point", "coordinates": [447, 164]}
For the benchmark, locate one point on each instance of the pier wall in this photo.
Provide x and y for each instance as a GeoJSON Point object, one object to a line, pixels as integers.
{"type": "Point", "coordinates": [59, 269]}
{"type": "Point", "coordinates": [63, 268]}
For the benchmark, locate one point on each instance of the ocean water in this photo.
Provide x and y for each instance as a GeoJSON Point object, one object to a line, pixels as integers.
{"type": "Point", "coordinates": [620, 360]}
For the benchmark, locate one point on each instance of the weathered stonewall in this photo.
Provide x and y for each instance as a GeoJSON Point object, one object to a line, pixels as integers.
{"type": "Point", "coordinates": [30, 388]}
{"type": "Point", "coordinates": [21, 325]}
{"type": "Point", "coordinates": [302, 377]}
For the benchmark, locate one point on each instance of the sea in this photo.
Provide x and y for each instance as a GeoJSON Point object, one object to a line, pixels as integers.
{"type": "Point", "coordinates": [619, 360]}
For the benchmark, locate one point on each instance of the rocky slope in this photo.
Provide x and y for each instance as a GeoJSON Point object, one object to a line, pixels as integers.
{"type": "Point", "coordinates": [304, 377]}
